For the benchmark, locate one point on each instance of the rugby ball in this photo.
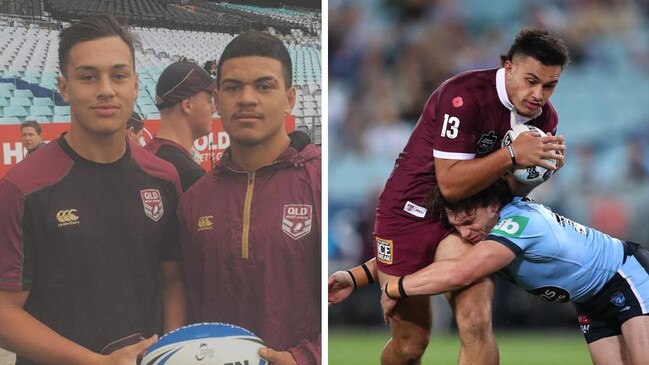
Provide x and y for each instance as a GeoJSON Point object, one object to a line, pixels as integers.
{"type": "Point", "coordinates": [530, 175]}
{"type": "Point", "coordinates": [206, 344]}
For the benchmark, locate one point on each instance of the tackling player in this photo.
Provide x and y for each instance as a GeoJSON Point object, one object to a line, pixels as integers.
{"type": "Point", "coordinates": [552, 258]}
{"type": "Point", "coordinates": [454, 146]}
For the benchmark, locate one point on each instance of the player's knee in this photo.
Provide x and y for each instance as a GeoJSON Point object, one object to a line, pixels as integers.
{"type": "Point", "coordinates": [410, 348]}
{"type": "Point", "coordinates": [475, 325]}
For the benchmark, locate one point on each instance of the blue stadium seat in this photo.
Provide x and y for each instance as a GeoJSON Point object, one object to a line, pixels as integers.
{"type": "Point", "coordinates": [4, 101]}
{"type": "Point", "coordinates": [10, 120]}
{"type": "Point", "coordinates": [42, 101]}
{"type": "Point", "coordinates": [152, 116]}
{"type": "Point", "coordinates": [149, 109]}
{"type": "Point", "coordinates": [40, 110]}
{"type": "Point", "coordinates": [6, 93]}
{"type": "Point", "coordinates": [18, 101]}
{"type": "Point", "coordinates": [23, 93]}
{"type": "Point", "coordinates": [7, 86]}
{"type": "Point", "coordinates": [61, 119]}
{"type": "Point", "coordinates": [38, 118]}
{"type": "Point", "coordinates": [61, 110]}
{"type": "Point", "coordinates": [15, 111]}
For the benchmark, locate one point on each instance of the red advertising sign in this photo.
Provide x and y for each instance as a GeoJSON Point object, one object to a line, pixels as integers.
{"type": "Point", "coordinates": [211, 147]}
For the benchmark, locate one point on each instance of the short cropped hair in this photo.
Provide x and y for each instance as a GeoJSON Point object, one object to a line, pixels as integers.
{"type": "Point", "coordinates": [34, 124]}
{"type": "Point", "coordinates": [539, 44]}
{"type": "Point", "coordinates": [89, 29]}
{"type": "Point", "coordinates": [257, 44]}
{"type": "Point", "coordinates": [497, 192]}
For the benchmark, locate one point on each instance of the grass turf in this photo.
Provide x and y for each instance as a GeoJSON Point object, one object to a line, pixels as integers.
{"type": "Point", "coordinates": [364, 346]}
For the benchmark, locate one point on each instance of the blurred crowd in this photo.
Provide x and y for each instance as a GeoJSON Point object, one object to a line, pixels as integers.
{"type": "Point", "coordinates": [387, 56]}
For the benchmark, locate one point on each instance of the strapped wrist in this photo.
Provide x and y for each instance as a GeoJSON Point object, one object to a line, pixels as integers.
{"type": "Point", "coordinates": [512, 155]}
{"type": "Point", "coordinates": [361, 276]}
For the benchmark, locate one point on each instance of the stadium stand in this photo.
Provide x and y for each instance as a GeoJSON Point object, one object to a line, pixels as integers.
{"type": "Point", "coordinates": [166, 31]}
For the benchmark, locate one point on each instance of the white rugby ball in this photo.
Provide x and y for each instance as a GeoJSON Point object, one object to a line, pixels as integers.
{"type": "Point", "coordinates": [531, 175]}
{"type": "Point", "coordinates": [206, 344]}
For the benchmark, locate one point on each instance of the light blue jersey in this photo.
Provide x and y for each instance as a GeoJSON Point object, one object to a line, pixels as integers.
{"type": "Point", "coordinates": [556, 259]}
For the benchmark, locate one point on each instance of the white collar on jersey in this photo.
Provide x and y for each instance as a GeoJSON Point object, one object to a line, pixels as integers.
{"type": "Point", "coordinates": [515, 118]}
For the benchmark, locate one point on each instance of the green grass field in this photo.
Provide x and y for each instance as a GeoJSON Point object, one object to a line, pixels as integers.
{"type": "Point", "coordinates": [360, 346]}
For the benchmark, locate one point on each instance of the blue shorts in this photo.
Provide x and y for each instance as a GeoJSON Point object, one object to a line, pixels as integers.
{"type": "Point", "coordinates": [625, 296]}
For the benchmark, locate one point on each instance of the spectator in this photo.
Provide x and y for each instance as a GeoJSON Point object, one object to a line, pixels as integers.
{"type": "Point", "coordinates": [30, 132]}
{"type": "Point", "coordinates": [134, 128]}
{"type": "Point", "coordinates": [185, 98]}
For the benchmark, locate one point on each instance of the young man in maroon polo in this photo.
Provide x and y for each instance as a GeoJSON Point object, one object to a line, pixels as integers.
{"type": "Point", "coordinates": [251, 227]}
{"type": "Point", "coordinates": [89, 243]}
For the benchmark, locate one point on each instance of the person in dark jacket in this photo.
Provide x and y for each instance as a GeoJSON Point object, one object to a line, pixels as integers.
{"type": "Point", "coordinates": [250, 229]}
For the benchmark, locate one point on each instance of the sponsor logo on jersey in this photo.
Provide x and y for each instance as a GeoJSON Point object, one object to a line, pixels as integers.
{"type": "Point", "coordinates": [152, 201]}
{"type": "Point", "coordinates": [67, 217]}
{"type": "Point", "coordinates": [384, 250]}
{"type": "Point", "coordinates": [584, 323]}
{"type": "Point", "coordinates": [511, 226]}
{"type": "Point", "coordinates": [414, 209]}
{"type": "Point", "coordinates": [457, 101]}
{"type": "Point", "coordinates": [205, 222]}
{"type": "Point", "coordinates": [296, 220]}
{"type": "Point", "coordinates": [486, 142]}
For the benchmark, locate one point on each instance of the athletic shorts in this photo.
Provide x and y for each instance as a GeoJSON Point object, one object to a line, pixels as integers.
{"type": "Point", "coordinates": [403, 246]}
{"type": "Point", "coordinates": [625, 296]}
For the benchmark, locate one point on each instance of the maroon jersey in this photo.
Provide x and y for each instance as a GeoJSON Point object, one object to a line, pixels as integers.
{"type": "Point", "coordinates": [86, 239]}
{"type": "Point", "coordinates": [465, 118]}
{"type": "Point", "coordinates": [251, 249]}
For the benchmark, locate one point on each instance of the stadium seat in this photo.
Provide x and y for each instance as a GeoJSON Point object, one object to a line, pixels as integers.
{"type": "Point", "coordinates": [7, 86]}
{"type": "Point", "coordinates": [15, 111]}
{"type": "Point", "coordinates": [4, 101]}
{"type": "Point", "coordinates": [40, 110]}
{"type": "Point", "coordinates": [10, 120]}
{"type": "Point", "coordinates": [149, 109]}
{"type": "Point", "coordinates": [38, 118]}
{"type": "Point", "coordinates": [19, 101]}
{"type": "Point", "coordinates": [153, 116]}
{"type": "Point", "coordinates": [42, 101]}
{"type": "Point", "coordinates": [23, 93]}
{"type": "Point", "coordinates": [61, 110]}
{"type": "Point", "coordinates": [6, 93]}
{"type": "Point", "coordinates": [61, 119]}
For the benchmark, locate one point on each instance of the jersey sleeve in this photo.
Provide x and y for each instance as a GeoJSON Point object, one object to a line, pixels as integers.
{"type": "Point", "coordinates": [15, 260]}
{"type": "Point", "coordinates": [457, 123]}
{"type": "Point", "coordinates": [519, 231]}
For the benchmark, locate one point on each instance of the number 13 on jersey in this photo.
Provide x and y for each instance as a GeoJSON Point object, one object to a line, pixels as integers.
{"type": "Point", "coordinates": [450, 127]}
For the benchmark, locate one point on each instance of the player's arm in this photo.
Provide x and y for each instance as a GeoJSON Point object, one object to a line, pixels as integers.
{"type": "Point", "coordinates": [483, 259]}
{"type": "Point", "coordinates": [173, 296]}
{"type": "Point", "coordinates": [459, 179]}
{"type": "Point", "coordinates": [343, 283]}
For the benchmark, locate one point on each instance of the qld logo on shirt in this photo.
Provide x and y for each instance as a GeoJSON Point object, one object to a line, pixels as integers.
{"type": "Point", "coordinates": [296, 220]}
{"type": "Point", "coordinates": [152, 201]}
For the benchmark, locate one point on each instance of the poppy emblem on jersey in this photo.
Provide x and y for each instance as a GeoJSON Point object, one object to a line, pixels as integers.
{"type": "Point", "coordinates": [152, 201]}
{"type": "Point", "coordinates": [457, 101]}
{"type": "Point", "coordinates": [296, 220]}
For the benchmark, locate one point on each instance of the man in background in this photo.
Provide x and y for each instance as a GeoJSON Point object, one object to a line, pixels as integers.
{"type": "Point", "coordinates": [134, 128]}
{"type": "Point", "coordinates": [251, 228]}
{"type": "Point", "coordinates": [30, 133]}
{"type": "Point", "coordinates": [185, 98]}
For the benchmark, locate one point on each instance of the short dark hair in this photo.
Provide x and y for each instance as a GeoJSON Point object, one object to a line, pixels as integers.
{"type": "Point", "coordinates": [34, 124]}
{"type": "Point", "coordinates": [496, 192]}
{"type": "Point", "coordinates": [539, 44]}
{"type": "Point", "coordinates": [257, 44]}
{"type": "Point", "coordinates": [88, 29]}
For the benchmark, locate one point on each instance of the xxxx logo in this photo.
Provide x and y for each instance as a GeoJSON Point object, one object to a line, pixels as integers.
{"type": "Point", "coordinates": [67, 217]}
{"type": "Point", "coordinates": [205, 222]}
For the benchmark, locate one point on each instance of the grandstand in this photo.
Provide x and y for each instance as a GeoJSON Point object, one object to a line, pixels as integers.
{"type": "Point", "coordinates": [166, 31]}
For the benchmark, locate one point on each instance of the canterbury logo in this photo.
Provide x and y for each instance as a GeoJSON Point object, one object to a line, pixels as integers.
{"type": "Point", "coordinates": [205, 222]}
{"type": "Point", "coordinates": [67, 217]}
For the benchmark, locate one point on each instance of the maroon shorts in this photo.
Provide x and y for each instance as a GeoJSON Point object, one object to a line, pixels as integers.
{"type": "Point", "coordinates": [402, 246]}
